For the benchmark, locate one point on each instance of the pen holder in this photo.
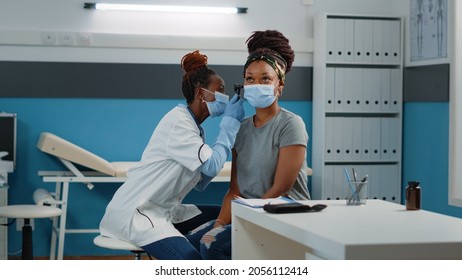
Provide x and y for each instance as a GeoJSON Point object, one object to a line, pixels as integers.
{"type": "Point", "coordinates": [356, 193]}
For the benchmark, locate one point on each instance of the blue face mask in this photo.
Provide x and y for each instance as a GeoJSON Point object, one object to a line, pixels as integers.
{"type": "Point", "coordinates": [217, 108]}
{"type": "Point", "coordinates": [259, 96]}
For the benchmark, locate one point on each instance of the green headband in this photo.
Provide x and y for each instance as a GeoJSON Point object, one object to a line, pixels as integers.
{"type": "Point", "coordinates": [275, 61]}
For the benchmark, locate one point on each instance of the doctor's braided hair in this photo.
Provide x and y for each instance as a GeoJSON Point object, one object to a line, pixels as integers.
{"type": "Point", "coordinates": [274, 48]}
{"type": "Point", "coordinates": [197, 74]}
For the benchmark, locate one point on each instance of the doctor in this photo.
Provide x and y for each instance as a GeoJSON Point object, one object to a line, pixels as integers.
{"type": "Point", "coordinates": [146, 210]}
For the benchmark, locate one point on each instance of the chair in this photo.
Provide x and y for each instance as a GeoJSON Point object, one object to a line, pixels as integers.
{"type": "Point", "coordinates": [117, 244]}
{"type": "Point", "coordinates": [28, 212]}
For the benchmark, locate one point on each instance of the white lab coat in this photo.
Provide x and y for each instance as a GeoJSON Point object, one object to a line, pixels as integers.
{"type": "Point", "coordinates": [145, 207]}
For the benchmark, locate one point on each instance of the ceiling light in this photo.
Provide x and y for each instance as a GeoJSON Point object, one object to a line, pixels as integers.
{"type": "Point", "coordinates": [164, 8]}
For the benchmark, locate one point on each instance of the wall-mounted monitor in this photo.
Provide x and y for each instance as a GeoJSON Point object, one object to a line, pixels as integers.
{"type": "Point", "coordinates": [8, 136]}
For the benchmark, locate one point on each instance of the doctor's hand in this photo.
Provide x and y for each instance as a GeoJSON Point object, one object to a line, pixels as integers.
{"type": "Point", "coordinates": [234, 108]}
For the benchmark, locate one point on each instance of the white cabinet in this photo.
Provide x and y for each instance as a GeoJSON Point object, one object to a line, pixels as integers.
{"type": "Point", "coordinates": [357, 104]}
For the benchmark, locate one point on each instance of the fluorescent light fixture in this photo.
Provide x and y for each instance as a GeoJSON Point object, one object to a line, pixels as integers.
{"type": "Point", "coordinates": [163, 8]}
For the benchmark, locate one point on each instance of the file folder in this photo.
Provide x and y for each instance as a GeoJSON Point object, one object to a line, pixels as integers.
{"type": "Point", "coordinates": [339, 30]}
{"type": "Point", "coordinates": [367, 91]}
{"type": "Point", "coordinates": [357, 145]}
{"type": "Point", "coordinates": [375, 182]}
{"type": "Point", "coordinates": [338, 138]}
{"type": "Point", "coordinates": [329, 141]}
{"type": "Point", "coordinates": [385, 136]}
{"type": "Point", "coordinates": [385, 89]}
{"type": "Point", "coordinates": [377, 42]}
{"type": "Point", "coordinates": [396, 89]}
{"type": "Point", "coordinates": [347, 136]}
{"type": "Point", "coordinates": [359, 33]}
{"type": "Point", "coordinates": [375, 138]}
{"type": "Point", "coordinates": [376, 90]}
{"type": "Point", "coordinates": [386, 42]}
{"type": "Point", "coordinates": [349, 87]}
{"type": "Point", "coordinates": [395, 139]}
{"type": "Point", "coordinates": [339, 89]}
{"type": "Point", "coordinates": [368, 40]}
{"type": "Point", "coordinates": [349, 40]}
{"type": "Point", "coordinates": [330, 89]}
{"type": "Point", "coordinates": [356, 89]}
{"type": "Point", "coordinates": [328, 184]}
{"type": "Point", "coordinates": [330, 40]}
{"type": "Point", "coordinates": [366, 138]}
{"type": "Point", "coordinates": [396, 41]}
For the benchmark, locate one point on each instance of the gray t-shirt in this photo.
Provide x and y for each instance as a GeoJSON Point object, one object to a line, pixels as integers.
{"type": "Point", "coordinates": [258, 150]}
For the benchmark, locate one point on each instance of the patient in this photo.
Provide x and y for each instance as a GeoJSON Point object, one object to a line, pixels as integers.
{"type": "Point", "coordinates": [269, 155]}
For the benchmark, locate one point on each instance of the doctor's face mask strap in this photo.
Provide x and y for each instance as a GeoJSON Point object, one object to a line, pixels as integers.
{"type": "Point", "coordinates": [196, 74]}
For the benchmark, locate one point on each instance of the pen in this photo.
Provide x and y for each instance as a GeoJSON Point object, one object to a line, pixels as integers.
{"type": "Point", "coordinates": [349, 180]}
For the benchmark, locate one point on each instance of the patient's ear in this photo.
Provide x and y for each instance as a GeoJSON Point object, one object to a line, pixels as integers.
{"type": "Point", "coordinates": [280, 87]}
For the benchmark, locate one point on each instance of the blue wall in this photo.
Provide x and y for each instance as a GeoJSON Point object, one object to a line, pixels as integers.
{"type": "Point", "coordinates": [425, 153]}
{"type": "Point", "coordinates": [115, 129]}
{"type": "Point", "coordinates": [118, 130]}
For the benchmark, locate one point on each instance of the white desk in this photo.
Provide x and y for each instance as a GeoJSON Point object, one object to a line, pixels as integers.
{"type": "Point", "coordinates": [377, 230]}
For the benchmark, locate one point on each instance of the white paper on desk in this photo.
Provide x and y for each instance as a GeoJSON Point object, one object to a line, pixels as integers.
{"type": "Point", "coordinates": [260, 202]}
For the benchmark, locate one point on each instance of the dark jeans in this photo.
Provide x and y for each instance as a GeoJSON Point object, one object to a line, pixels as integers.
{"type": "Point", "coordinates": [179, 248]}
{"type": "Point", "coordinates": [213, 244]}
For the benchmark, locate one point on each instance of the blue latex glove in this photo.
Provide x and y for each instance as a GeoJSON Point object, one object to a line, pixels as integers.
{"type": "Point", "coordinates": [234, 108]}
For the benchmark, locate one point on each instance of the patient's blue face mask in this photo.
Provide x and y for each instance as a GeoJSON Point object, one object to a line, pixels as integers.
{"type": "Point", "coordinates": [217, 108]}
{"type": "Point", "coordinates": [259, 96]}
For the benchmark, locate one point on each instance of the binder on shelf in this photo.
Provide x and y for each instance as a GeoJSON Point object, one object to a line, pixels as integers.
{"type": "Point", "coordinates": [339, 182]}
{"type": "Point", "coordinates": [329, 139]}
{"type": "Point", "coordinates": [389, 189]}
{"type": "Point", "coordinates": [376, 88]}
{"type": "Point", "coordinates": [347, 136]}
{"type": "Point", "coordinates": [395, 92]}
{"type": "Point", "coordinates": [349, 40]}
{"type": "Point", "coordinates": [395, 41]}
{"type": "Point", "coordinates": [374, 182]}
{"type": "Point", "coordinates": [375, 138]}
{"type": "Point", "coordinates": [385, 136]}
{"type": "Point", "coordinates": [356, 89]}
{"type": "Point", "coordinates": [368, 88]}
{"type": "Point", "coordinates": [385, 89]}
{"type": "Point", "coordinates": [377, 41]}
{"type": "Point", "coordinates": [357, 131]}
{"type": "Point", "coordinates": [330, 40]}
{"type": "Point", "coordinates": [368, 40]}
{"type": "Point", "coordinates": [395, 139]}
{"type": "Point", "coordinates": [359, 34]}
{"type": "Point", "coordinates": [349, 82]}
{"type": "Point", "coordinates": [366, 139]}
{"type": "Point", "coordinates": [330, 89]}
{"type": "Point", "coordinates": [338, 151]}
{"type": "Point", "coordinates": [387, 35]}
{"type": "Point", "coordinates": [328, 184]}
{"type": "Point", "coordinates": [339, 89]}
{"type": "Point", "coordinates": [339, 40]}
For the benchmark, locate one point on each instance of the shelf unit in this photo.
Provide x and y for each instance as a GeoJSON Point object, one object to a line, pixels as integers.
{"type": "Point", "coordinates": [357, 104]}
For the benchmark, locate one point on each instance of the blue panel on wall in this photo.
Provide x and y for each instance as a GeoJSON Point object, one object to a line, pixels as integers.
{"type": "Point", "coordinates": [426, 136]}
